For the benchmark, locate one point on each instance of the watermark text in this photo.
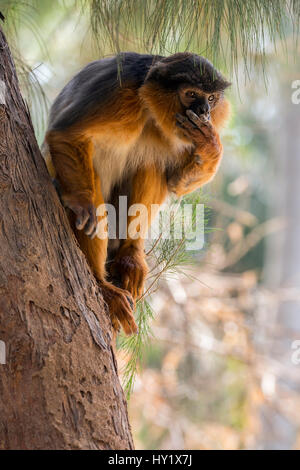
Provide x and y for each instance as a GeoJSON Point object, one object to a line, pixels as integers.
{"type": "Point", "coordinates": [296, 93]}
{"type": "Point", "coordinates": [296, 354]}
{"type": "Point", "coordinates": [2, 353]}
{"type": "Point", "coordinates": [138, 221]}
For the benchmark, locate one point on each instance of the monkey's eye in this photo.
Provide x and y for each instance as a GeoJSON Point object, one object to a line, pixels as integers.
{"type": "Point", "coordinates": [211, 98]}
{"type": "Point", "coordinates": [190, 94]}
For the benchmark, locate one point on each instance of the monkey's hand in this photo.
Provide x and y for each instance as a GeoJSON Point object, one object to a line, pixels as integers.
{"type": "Point", "coordinates": [130, 268]}
{"type": "Point", "coordinates": [202, 133]}
{"type": "Point", "coordinates": [203, 162]}
{"type": "Point", "coordinates": [85, 214]}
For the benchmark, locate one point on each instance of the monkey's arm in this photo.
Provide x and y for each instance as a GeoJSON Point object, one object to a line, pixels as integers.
{"type": "Point", "coordinates": [72, 159]}
{"type": "Point", "coordinates": [202, 164]}
{"type": "Point", "coordinates": [149, 190]}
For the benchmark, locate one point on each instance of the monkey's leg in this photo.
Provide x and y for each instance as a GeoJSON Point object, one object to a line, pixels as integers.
{"type": "Point", "coordinates": [129, 266]}
{"type": "Point", "coordinates": [118, 300]}
{"type": "Point", "coordinates": [82, 194]}
{"type": "Point", "coordinates": [202, 164]}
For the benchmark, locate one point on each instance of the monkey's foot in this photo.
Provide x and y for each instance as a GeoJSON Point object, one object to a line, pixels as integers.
{"type": "Point", "coordinates": [130, 268]}
{"type": "Point", "coordinates": [120, 306]}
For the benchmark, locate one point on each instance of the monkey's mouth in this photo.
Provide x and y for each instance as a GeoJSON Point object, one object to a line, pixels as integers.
{"type": "Point", "coordinates": [205, 117]}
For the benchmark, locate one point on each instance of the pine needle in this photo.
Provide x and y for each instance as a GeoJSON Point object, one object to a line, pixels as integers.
{"type": "Point", "coordinates": [223, 30]}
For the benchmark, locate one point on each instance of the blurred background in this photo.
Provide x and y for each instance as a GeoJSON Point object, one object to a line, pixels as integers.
{"type": "Point", "coordinates": [222, 368]}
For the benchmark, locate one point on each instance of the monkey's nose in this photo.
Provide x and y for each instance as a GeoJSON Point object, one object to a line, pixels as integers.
{"type": "Point", "coordinates": [203, 109]}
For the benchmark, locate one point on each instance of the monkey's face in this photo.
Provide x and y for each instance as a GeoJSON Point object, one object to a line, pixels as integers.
{"type": "Point", "coordinates": [197, 100]}
{"type": "Point", "coordinates": [185, 81]}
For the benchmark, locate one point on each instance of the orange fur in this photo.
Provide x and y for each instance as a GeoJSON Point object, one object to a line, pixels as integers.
{"type": "Point", "coordinates": [163, 105]}
{"type": "Point", "coordinates": [72, 158]}
{"type": "Point", "coordinates": [221, 114]}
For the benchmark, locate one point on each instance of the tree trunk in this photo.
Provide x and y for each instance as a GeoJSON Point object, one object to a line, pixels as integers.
{"type": "Point", "coordinates": [59, 388]}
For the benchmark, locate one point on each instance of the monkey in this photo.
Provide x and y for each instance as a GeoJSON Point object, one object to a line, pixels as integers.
{"type": "Point", "coordinates": [138, 125]}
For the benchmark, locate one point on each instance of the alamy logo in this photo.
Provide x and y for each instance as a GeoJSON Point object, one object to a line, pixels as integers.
{"type": "Point", "coordinates": [296, 93]}
{"type": "Point", "coordinates": [2, 352]}
{"type": "Point", "coordinates": [296, 354]}
{"type": "Point", "coordinates": [178, 222]}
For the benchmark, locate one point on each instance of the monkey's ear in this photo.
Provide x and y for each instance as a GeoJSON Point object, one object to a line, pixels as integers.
{"type": "Point", "coordinates": [221, 83]}
{"type": "Point", "coordinates": [161, 72]}
{"type": "Point", "coordinates": [157, 71]}
{"type": "Point", "coordinates": [226, 84]}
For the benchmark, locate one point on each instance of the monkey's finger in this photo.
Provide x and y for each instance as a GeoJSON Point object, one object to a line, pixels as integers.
{"type": "Point", "coordinates": [180, 124]}
{"type": "Point", "coordinates": [207, 126]}
{"type": "Point", "coordinates": [125, 281]}
{"type": "Point", "coordinates": [207, 130]}
{"type": "Point", "coordinates": [197, 121]}
{"type": "Point", "coordinates": [193, 117]}
{"type": "Point", "coordinates": [121, 308]}
{"type": "Point", "coordinates": [184, 121]}
{"type": "Point", "coordinates": [116, 324]}
{"type": "Point", "coordinates": [179, 117]}
{"type": "Point", "coordinates": [187, 126]}
{"type": "Point", "coordinates": [91, 223]}
{"type": "Point", "coordinates": [127, 320]}
{"type": "Point", "coordinates": [89, 228]}
{"type": "Point", "coordinates": [82, 218]}
{"type": "Point", "coordinates": [126, 316]}
{"type": "Point", "coordinates": [129, 281]}
{"type": "Point", "coordinates": [131, 301]}
{"type": "Point", "coordinates": [201, 122]}
{"type": "Point", "coordinates": [139, 290]}
{"type": "Point", "coordinates": [137, 282]}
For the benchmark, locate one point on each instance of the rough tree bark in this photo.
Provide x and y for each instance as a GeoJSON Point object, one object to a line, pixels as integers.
{"type": "Point", "coordinates": [59, 388]}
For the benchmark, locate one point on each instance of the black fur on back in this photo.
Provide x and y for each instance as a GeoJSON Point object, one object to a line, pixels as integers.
{"type": "Point", "coordinates": [94, 85]}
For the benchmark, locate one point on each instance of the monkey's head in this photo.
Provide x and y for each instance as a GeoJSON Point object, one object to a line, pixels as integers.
{"type": "Point", "coordinates": [191, 82]}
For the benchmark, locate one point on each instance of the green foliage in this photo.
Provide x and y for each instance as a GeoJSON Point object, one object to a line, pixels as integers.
{"type": "Point", "coordinates": [134, 345]}
{"type": "Point", "coordinates": [19, 13]}
{"type": "Point", "coordinates": [222, 30]}
{"type": "Point", "coordinates": [34, 94]}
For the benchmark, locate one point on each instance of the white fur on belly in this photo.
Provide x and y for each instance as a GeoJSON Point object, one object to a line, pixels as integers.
{"type": "Point", "coordinates": [112, 159]}
{"type": "Point", "coordinates": [109, 164]}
